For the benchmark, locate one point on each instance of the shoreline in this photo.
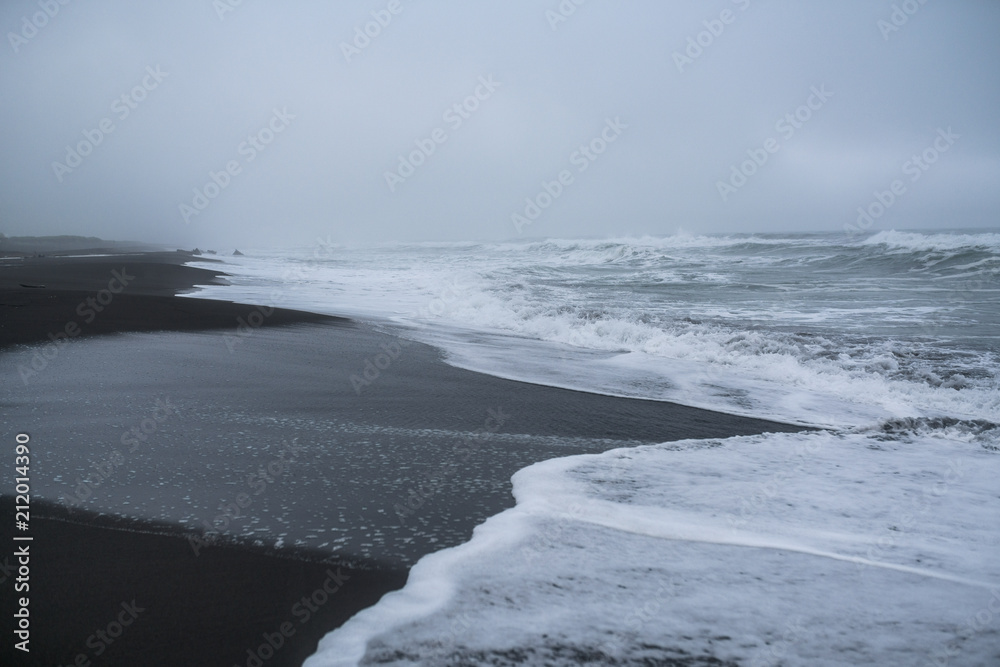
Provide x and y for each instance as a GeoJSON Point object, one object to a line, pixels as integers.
{"type": "Point", "coordinates": [229, 595]}
{"type": "Point", "coordinates": [52, 299]}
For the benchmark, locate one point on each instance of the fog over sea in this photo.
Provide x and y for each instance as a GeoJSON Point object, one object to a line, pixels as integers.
{"type": "Point", "coordinates": [889, 342]}
{"type": "Point", "coordinates": [501, 333]}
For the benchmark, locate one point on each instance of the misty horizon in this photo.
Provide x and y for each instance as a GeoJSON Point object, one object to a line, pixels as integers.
{"type": "Point", "coordinates": [243, 125]}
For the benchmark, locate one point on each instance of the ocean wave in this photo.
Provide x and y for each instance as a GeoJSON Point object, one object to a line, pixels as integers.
{"type": "Point", "coordinates": [711, 552]}
{"type": "Point", "coordinates": [767, 324]}
{"type": "Point", "coordinates": [652, 251]}
{"type": "Point", "coordinates": [906, 378]}
{"type": "Point", "coordinates": [981, 431]}
{"type": "Point", "coordinates": [929, 242]}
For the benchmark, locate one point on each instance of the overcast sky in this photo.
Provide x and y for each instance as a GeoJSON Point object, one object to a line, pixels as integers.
{"type": "Point", "coordinates": [311, 116]}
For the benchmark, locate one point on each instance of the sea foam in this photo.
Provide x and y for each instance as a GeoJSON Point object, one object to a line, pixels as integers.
{"type": "Point", "coordinates": [815, 548]}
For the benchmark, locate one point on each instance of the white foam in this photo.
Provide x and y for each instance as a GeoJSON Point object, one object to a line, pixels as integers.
{"type": "Point", "coordinates": [559, 304]}
{"type": "Point", "coordinates": [914, 241]}
{"type": "Point", "coordinates": [818, 548]}
{"type": "Point", "coordinates": [755, 373]}
{"type": "Point", "coordinates": [812, 548]}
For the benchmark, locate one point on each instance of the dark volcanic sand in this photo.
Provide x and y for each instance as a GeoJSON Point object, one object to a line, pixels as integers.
{"type": "Point", "coordinates": [190, 610]}
{"type": "Point", "coordinates": [362, 455]}
{"type": "Point", "coordinates": [59, 288]}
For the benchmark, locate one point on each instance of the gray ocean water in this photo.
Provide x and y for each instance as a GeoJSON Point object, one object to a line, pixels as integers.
{"type": "Point", "coordinates": [890, 324]}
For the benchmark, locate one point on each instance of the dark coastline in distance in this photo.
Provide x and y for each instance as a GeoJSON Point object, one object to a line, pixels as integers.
{"type": "Point", "coordinates": [41, 298]}
{"type": "Point", "coordinates": [211, 608]}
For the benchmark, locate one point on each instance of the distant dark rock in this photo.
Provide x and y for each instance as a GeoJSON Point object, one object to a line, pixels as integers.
{"type": "Point", "coordinates": [211, 252]}
{"type": "Point", "coordinates": [196, 251]}
{"type": "Point", "coordinates": [237, 253]}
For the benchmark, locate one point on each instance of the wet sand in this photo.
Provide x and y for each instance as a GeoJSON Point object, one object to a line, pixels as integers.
{"type": "Point", "coordinates": [407, 462]}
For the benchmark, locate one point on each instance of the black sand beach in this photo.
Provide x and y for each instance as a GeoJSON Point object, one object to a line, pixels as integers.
{"type": "Point", "coordinates": [41, 298]}
{"type": "Point", "coordinates": [407, 462]}
{"type": "Point", "coordinates": [217, 608]}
